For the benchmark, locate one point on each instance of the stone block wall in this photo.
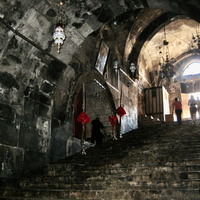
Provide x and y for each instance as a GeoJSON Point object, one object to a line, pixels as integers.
{"type": "Point", "coordinates": [28, 114]}
{"type": "Point", "coordinates": [11, 154]}
{"type": "Point", "coordinates": [25, 132]}
{"type": "Point", "coordinates": [37, 95]}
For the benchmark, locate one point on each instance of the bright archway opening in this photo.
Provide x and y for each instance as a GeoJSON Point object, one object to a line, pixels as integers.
{"type": "Point", "coordinates": [185, 107]}
{"type": "Point", "coordinates": [192, 69]}
{"type": "Point", "coordinates": [189, 74]}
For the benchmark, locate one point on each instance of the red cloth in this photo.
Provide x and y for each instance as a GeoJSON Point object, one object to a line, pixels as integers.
{"type": "Point", "coordinates": [83, 118]}
{"type": "Point", "coordinates": [177, 105]}
{"type": "Point", "coordinates": [120, 111]}
{"type": "Point", "coordinates": [113, 120]}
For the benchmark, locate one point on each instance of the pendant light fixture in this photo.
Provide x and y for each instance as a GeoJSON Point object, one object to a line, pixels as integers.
{"type": "Point", "coordinates": [166, 67]}
{"type": "Point", "coordinates": [59, 35]}
{"type": "Point", "coordinates": [132, 67]}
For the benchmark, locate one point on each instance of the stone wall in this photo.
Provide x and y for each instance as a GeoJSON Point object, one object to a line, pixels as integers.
{"type": "Point", "coordinates": [31, 110]}
{"type": "Point", "coordinates": [25, 127]}
{"type": "Point", "coordinates": [37, 96]}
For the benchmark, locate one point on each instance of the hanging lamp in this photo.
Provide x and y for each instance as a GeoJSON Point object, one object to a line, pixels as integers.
{"type": "Point", "coordinates": [166, 67]}
{"type": "Point", "coordinates": [132, 67]}
{"type": "Point", "coordinates": [59, 35]}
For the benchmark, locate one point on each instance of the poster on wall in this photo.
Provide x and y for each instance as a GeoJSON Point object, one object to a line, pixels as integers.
{"type": "Point", "coordinates": [102, 57]}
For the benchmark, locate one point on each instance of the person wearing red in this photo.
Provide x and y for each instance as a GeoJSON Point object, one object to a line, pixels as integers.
{"type": "Point", "coordinates": [178, 110]}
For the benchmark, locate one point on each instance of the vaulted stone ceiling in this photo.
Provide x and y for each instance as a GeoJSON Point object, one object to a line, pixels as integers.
{"type": "Point", "coordinates": [34, 22]}
{"type": "Point", "coordinates": [178, 34]}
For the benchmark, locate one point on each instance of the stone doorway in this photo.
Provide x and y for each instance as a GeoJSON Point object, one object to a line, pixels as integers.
{"type": "Point", "coordinates": [96, 105]}
{"type": "Point", "coordinates": [186, 109]}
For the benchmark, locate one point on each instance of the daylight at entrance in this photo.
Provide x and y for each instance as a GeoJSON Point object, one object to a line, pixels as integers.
{"type": "Point", "coordinates": [192, 69]}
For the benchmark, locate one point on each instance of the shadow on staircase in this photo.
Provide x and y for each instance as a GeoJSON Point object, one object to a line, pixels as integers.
{"type": "Point", "coordinates": [157, 161]}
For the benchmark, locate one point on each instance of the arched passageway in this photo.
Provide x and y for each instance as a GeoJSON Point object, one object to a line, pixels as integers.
{"type": "Point", "coordinates": [38, 86]}
{"type": "Point", "coordinates": [95, 99]}
{"type": "Point", "coordinates": [190, 85]}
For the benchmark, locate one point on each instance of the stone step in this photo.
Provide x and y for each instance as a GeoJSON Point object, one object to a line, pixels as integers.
{"type": "Point", "coordinates": [157, 174]}
{"type": "Point", "coordinates": [131, 152]}
{"type": "Point", "coordinates": [156, 163]}
{"type": "Point", "coordinates": [116, 171]}
{"type": "Point", "coordinates": [120, 194]}
{"type": "Point", "coordinates": [145, 159]}
{"type": "Point", "coordinates": [111, 151]}
{"type": "Point", "coordinates": [9, 181]}
{"type": "Point", "coordinates": [153, 148]}
{"type": "Point", "coordinates": [134, 185]}
{"type": "Point", "coordinates": [67, 169]}
{"type": "Point", "coordinates": [147, 181]}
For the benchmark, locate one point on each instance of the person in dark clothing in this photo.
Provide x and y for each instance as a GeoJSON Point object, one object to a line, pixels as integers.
{"type": "Point", "coordinates": [97, 135]}
{"type": "Point", "coordinates": [178, 110]}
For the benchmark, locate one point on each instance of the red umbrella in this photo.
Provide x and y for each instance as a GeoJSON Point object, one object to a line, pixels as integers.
{"type": "Point", "coordinates": [120, 111]}
{"type": "Point", "coordinates": [83, 118]}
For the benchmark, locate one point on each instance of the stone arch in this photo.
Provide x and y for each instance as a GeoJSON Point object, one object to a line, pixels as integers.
{"type": "Point", "coordinates": [98, 97]}
{"type": "Point", "coordinates": [88, 76]}
{"type": "Point", "coordinates": [153, 23]}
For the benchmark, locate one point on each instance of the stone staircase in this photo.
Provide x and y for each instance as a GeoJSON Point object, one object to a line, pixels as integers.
{"type": "Point", "coordinates": [161, 161]}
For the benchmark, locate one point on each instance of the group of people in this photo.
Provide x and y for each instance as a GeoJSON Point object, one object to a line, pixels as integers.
{"type": "Point", "coordinates": [194, 107]}
{"type": "Point", "coordinates": [97, 127]}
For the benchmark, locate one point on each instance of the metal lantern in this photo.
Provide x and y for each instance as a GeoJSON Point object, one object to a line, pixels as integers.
{"type": "Point", "coordinates": [115, 67]}
{"type": "Point", "coordinates": [59, 36]}
{"type": "Point", "coordinates": [132, 67]}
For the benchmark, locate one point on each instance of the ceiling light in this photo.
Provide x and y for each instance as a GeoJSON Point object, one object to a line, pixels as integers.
{"type": "Point", "coordinates": [132, 67]}
{"type": "Point", "coordinates": [116, 66]}
{"type": "Point", "coordinates": [59, 35]}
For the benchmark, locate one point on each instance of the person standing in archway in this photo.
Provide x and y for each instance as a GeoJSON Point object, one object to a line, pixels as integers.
{"type": "Point", "coordinates": [178, 110]}
{"type": "Point", "coordinates": [97, 135]}
{"type": "Point", "coordinates": [192, 103]}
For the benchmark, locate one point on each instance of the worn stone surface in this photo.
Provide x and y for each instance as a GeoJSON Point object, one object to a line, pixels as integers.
{"type": "Point", "coordinates": [151, 162]}
{"type": "Point", "coordinates": [39, 87]}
